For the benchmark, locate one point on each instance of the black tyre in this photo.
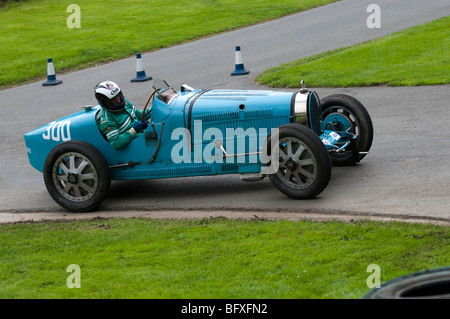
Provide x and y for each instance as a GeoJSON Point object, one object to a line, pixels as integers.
{"type": "Point", "coordinates": [341, 112]}
{"type": "Point", "coordinates": [304, 164]}
{"type": "Point", "coordinates": [77, 176]}
{"type": "Point", "coordinates": [428, 284]}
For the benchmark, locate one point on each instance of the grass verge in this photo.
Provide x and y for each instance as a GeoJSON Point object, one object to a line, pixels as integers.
{"type": "Point", "coordinates": [416, 56]}
{"type": "Point", "coordinates": [212, 258]}
{"type": "Point", "coordinates": [35, 30]}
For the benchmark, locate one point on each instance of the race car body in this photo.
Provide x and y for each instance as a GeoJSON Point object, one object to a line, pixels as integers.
{"type": "Point", "coordinates": [289, 136]}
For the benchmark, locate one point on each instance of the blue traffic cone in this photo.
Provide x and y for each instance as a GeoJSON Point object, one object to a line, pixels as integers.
{"type": "Point", "coordinates": [140, 73]}
{"type": "Point", "coordinates": [51, 77]}
{"type": "Point", "coordinates": [239, 68]}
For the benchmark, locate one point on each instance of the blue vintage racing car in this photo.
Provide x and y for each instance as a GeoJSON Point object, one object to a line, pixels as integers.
{"type": "Point", "coordinates": [294, 138]}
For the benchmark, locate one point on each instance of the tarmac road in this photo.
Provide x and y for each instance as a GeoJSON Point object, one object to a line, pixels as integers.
{"type": "Point", "coordinates": [405, 176]}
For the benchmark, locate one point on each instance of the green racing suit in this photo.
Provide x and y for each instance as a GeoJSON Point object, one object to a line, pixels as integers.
{"type": "Point", "coordinates": [117, 127]}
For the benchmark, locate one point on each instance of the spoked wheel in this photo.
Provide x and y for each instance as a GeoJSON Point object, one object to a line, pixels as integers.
{"type": "Point", "coordinates": [341, 112]}
{"type": "Point", "coordinates": [304, 164]}
{"type": "Point", "coordinates": [77, 176]}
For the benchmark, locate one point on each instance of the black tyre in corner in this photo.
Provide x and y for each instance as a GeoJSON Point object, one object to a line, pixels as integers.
{"type": "Point", "coordinates": [304, 164]}
{"type": "Point", "coordinates": [342, 112]}
{"type": "Point", "coordinates": [427, 284]}
{"type": "Point", "coordinates": [77, 176]}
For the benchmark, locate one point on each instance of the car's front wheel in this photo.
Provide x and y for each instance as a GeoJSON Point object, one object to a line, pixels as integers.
{"type": "Point", "coordinates": [77, 176]}
{"type": "Point", "coordinates": [304, 166]}
{"type": "Point", "coordinates": [341, 112]}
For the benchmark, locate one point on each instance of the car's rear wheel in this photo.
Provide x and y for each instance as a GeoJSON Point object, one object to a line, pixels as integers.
{"type": "Point", "coordinates": [304, 166]}
{"type": "Point", "coordinates": [341, 112]}
{"type": "Point", "coordinates": [77, 176]}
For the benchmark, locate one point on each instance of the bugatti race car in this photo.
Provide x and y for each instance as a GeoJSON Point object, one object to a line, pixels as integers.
{"type": "Point", "coordinates": [294, 138]}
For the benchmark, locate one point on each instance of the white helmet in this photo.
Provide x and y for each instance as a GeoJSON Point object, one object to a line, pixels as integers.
{"type": "Point", "coordinates": [109, 96]}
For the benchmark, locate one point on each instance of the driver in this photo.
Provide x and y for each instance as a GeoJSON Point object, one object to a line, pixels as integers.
{"type": "Point", "coordinates": [118, 119]}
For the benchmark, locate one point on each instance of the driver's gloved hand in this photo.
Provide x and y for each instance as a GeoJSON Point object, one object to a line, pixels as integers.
{"type": "Point", "coordinates": [140, 126]}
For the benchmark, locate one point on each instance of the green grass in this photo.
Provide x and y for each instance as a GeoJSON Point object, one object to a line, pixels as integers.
{"type": "Point", "coordinates": [212, 258]}
{"type": "Point", "coordinates": [34, 30]}
{"type": "Point", "coordinates": [416, 56]}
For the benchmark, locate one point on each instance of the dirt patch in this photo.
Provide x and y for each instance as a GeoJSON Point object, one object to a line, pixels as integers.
{"type": "Point", "coordinates": [35, 217]}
